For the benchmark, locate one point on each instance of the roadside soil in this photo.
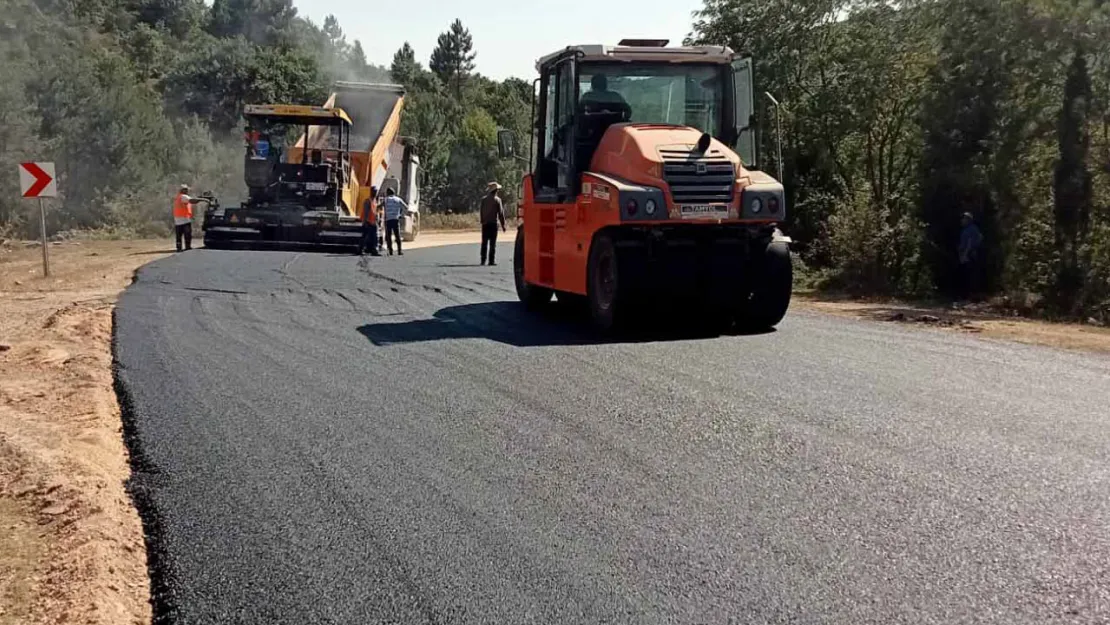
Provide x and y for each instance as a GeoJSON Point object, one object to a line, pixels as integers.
{"type": "Point", "coordinates": [968, 320]}
{"type": "Point", "coordinates": [71, 544]}
{"type": "Point", "coordinates": [453, 237]}
{"type": "Point", "coordinates": [72, 548]}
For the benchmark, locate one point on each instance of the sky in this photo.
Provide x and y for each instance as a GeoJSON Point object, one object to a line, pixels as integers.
{"type": "Point", "coordinates": [509, 35]}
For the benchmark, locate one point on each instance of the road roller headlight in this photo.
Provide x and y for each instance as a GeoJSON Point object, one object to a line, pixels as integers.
{"type": "Point", "coordinates": [757, 205]}
{"type": "Point", "coordinates": [649, 207]}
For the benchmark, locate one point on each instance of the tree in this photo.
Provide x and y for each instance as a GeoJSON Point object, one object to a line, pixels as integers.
{"type": "Point", "coordinates": [179, 17]}
{"type": "Point", "coordinates": [966, 88]}
{"type": "Point", "coordinates": [356, 58]}
{"type": "Point", "coordinates": [126, 157]}
{"type": "Point", "coordinates": [1072, 180]}
{"type": "Point", "coordinates": [473, 161]}
{"type": "Point", "coordinates": [797, 50]}
{"type": "Point", "coordinates": [453, 58]}
{"type": "Point", "coordinates": [404, 69]}
{"type": "Point", "coordinates": [262, 22]}
{"type": "Point", "coordinates": [334, 32]}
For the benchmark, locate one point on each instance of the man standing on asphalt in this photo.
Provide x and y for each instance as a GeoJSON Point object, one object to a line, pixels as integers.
{"type": "Point", "coordinates": [393, 211]}
{"type": "Point", "coordinates": [183, 217]}
{"type": "Point", "coordinates": [369, 244]}
{"type": "Point", "coordinates": [489, 213]}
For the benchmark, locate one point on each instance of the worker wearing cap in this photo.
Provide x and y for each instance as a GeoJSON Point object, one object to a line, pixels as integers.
{"type": "Point", "coordinates": [183, 217]}
{"type": "Point", "coordinates": [489, 213]}
{"type": "Point", "coordinates": [369, 244]}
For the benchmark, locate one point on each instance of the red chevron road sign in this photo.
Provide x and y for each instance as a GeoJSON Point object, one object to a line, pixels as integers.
{"type": "Point", "coordinates": [37, 180]}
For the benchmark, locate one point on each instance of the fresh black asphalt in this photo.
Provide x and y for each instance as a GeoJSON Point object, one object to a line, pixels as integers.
{"type": "Point", "coordinates": [322, 439]}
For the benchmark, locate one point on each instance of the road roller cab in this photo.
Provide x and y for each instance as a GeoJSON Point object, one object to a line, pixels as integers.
{"type": "Point", "coordinates": [642, 185]}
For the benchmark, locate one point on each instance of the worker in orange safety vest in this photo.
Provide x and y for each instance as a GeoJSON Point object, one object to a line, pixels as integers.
{"type": "Point", "coordinates": [183, 217]}
{"type": "Point", "coordinates": [369, 244]}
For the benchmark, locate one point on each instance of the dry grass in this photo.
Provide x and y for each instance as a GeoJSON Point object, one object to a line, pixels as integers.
{"type": "Point", "coordinates": [454, 221]}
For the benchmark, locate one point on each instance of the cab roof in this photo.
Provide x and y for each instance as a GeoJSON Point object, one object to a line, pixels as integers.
{"type": "Point", "coordinates": [644, 50]}
{"type": "Point", "coordinates": [300, 115]}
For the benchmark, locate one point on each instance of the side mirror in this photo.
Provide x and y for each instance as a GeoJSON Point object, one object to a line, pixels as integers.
{"type": "Point", "coordinates": [506, 143]}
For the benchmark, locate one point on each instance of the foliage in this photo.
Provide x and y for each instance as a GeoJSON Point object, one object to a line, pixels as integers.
{"type": "Point", "coordinates": [404, 68]}
{"type": "Point", "coordinates": [132, 97]}
{"type": "Point", "coordinates": [453, 59]}
{"type": "Point", "coordinates": [899, 117]}
{"type": "Point", "coordinates": [454, 115]}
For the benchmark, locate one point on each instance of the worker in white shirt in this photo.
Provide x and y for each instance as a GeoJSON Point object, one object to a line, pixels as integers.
{"type": "Point", "coordinates": [394, 208]}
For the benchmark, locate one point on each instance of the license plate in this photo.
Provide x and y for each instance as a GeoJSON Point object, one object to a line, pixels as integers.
{"type": "Point", "coordinates": [315, 186]}
{"type": "Point", "coordinates": [704, 211]}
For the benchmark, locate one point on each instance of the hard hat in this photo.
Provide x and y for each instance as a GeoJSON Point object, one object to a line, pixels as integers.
{"type": "Point", "coordinates": [493, 186]}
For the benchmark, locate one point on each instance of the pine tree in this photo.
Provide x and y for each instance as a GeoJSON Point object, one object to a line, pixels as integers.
{"type": "Point", "coordinates": [356, 57]}
{"type": "Point", "coordinates": [333, 31]}
{"type": "Point", "coordinates": [453, 58]}
{"type": "Point", "coordinates": [404, 69]}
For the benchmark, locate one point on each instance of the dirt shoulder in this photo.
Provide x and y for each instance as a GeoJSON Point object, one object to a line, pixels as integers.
{"type": "Point", "coordinates": [71, 544]}
{"type": "Point", "coordinates": [450, 237]}
{"type": "Point", "coordinates": [967, 321]}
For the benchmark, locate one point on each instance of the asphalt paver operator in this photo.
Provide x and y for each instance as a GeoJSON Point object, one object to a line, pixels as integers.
{"type": "Point", "coordinates": [183, 217]}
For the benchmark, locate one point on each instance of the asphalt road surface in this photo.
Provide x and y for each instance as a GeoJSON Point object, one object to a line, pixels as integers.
{"type": "Point", "coordinates": [320, 439]}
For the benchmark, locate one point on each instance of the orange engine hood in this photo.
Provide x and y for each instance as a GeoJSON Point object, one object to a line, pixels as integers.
{"type": "Point", "coordinates": [636, 152]}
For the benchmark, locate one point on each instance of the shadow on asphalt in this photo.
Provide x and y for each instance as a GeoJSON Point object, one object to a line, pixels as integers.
{"type": "Point", "coordinates": [283, 246]}
{"type": "Point", "coordinates": [510, 323]}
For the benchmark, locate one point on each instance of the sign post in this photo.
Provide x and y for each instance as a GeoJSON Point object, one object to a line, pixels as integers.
{"type": "Point", "coordinates": [37, 180]}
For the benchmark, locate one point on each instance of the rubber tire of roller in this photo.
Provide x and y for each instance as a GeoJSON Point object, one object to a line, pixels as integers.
{"type": "Point", "coordinates": [772, 290]}
{"type": "Point", "coordinates": [607, 316]}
